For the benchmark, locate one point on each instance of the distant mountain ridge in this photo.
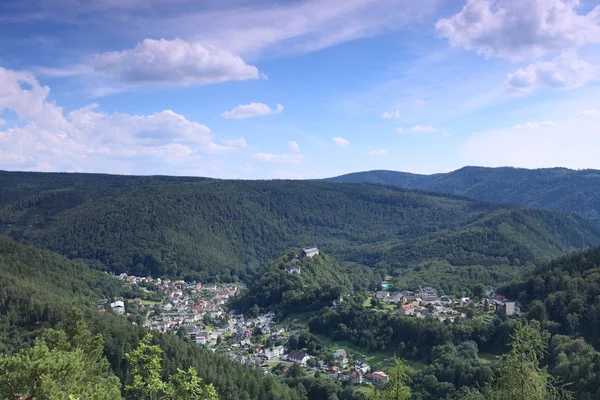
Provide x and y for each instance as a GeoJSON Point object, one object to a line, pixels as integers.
{"type": "Point", "coordinates": [575, 191]}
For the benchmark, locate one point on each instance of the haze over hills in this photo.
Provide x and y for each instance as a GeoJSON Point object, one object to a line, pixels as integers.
{"type": "Point", "coordinates": [575, 191]}
{"type": "Point", "coordinates": [223, 230]}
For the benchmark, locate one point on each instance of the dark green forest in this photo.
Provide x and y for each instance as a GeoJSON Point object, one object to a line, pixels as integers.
{"type": "Point", "coordinates": [317, 283]}
{"type": "Point", "coordinates": [564, 295]}
{"type": "Point", "coordinates": [562, 189]}
{"type": "Point", "coordinates": [225, 230]}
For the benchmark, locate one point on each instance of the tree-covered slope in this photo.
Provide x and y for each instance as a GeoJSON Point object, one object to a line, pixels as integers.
{"type": "Point", "coordinates": [38, 290]}
{"type": "Point", "coordinates": [295, 284]}
{"type": "Point", "coordinates": [551, 188]}
{"type": "Point", "coordinates": [222, 230]}
{"type": "Point", "coordinates": [564, 294]}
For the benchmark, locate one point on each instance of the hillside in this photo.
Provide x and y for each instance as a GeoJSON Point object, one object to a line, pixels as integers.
{"type": "Point", "coordinates": [561, 189]}
{"type": "Point", "coordinates": [225, 230]}
{"type": "Point", "coordinates": [564, 295]}
{"type": "Point", "coordinates": [293, 283]}
{"type": "Point", "coordinates": [38, 287]}
{"type": "Point", "coordinates": [38, 290]}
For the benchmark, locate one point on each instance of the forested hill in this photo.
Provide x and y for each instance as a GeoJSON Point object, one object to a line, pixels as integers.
{"type": "Point", "coordinates": [38, 290]}
{"type": "Point", "coordinates": [222, 230]}
{"type": "Point", "coordinates": [550, 188]}
{"type": "Point", "coordinates": [295, 284]}
{"type": "Point", "coordinates": [39, 286]}
{"type": "Point", "coordinates": [564, 295]}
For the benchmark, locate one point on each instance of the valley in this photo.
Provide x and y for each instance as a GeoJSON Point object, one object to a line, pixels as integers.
{"type": "Point", "coordinates": [298, 289]}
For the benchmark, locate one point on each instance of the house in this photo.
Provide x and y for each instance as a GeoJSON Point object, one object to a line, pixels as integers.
{"type": "Point", "coordinates": [464, 302]}
{"type": "Point", "coordinates": [298, 357]}
{"type": "Point", "coordinates": [446, 299]}
{"type": "Point", "coordinates": [118, 307]}
{"type": "Point", "coordinates": [309, 253]}
{"type": "Point", "coordinates": [102, 304]}
{"type": "Point", "coordinates": [335, 372]}
{"type": "Point", "coordinates": [274, 352]}
{"type": "Point", "coordinates": [378, 377]}
{"type": "Point", "coordinates": [357, 378]}
{"type": "Point", "coordinates": [341, 357]}
{"type": "Point", "coordinates": [394, 298]}
{"type": "Point", "coordinates": [409, 308]}
{"type": "Point", "coordinates": [338, 302]}
{"type": "Point", "coordinates": [193, 332]}
{"type": "Point", "coordinates": [428, 294]}
{"type": "Point", "coordinates": [409, 296]}
{"type": "Point", "coordinates": [201, 340]}
{"type": "Point", "coordinates": [168, 307]}
{"type": "Point", "coordinates": [381, 295]}
{"type": "Point", "coordinates": [293, 270]}
{"type": "Point", "coordinates": [510, 309]}
{"type": "Point", "coordinates": [361, 366]}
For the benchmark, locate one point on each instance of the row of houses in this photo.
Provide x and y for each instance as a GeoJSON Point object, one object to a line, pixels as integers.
{"type": "Point", "coordinates": [376, 378]}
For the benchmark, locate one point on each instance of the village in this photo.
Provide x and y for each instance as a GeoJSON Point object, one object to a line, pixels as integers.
{"type": "Point", "coordinates": [199, 312]}
{"type": "Point", "coordinates": [425, 302]}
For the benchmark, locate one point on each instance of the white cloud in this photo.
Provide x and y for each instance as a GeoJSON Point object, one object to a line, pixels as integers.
{"type": "Point", "coordinates": [2, 122]}
{"type": "Point", "coordinates": [86, 138]}
{"type": "Point", "coordinates": [341, 142]}
{"type": "Point", "coordinates": [279, 158]}
{"type": "Point", "coordinates": [422, 129]}
{"type": "Point", "coordinates": [593, 113]}
{"type": "Point", "coordinates": [380, 152]}
{"type": "Point", "coordinates": [391, 115]}
{"type": "Point", "coordinates": [293, 147]}
{"type": "Point", "coordinates": [573, 143]}
{"type": "Point", "coordinates": [420, 102]}
{"type": "Point", "coordinates": [399, 130]}
{"type": "Point", "coordinates": [521, 29]}
{"type": "Point", "coordinates": [243, 27]}
{"type": "Point", "coordinates": [566, 71]}
{"type": "Point", "coordinates": [535, 125]}
{"type": "Point", "coordinates": [238, 142]}
{"type": "Point", "coordinates": [252, 110]}
{"type": "Point", "coordinates": [300, 26]}
{"type": "Point", "coordinates": [172, 62]}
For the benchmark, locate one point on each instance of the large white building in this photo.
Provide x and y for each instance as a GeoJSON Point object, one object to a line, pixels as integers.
{"type": "Point", "coordinates": [118, 307]}
{"type": "Point", "coordinates": [310, 253]}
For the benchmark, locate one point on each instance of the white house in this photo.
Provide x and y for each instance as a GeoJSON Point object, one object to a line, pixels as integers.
{"type": "Point", "coordinates": [293, 270]}
{"type": "Point", "coordinates": [118, 307]}
{"type": "Point", "coordinates": [361, 366]}
{"type": "Point", "coordinates": [201, 340]}
{"type": "Point", "coordinates": [274, 352]}
{"type": "Point", "coordinates": [299, 357]}
{"type": "Point", "coordinates": [341, 357]}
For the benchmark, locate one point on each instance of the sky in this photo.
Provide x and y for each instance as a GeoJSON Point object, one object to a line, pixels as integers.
{"type": "Point", "coordinates": [298, 89]}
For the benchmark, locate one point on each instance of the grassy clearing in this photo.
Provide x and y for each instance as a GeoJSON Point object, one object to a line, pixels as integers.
{"type": "Point", "coordinates": [488, 358]}
{"type": "Point", "coordinates": [272, 363]}
{"type": "Point", "coordinates": [377, 360]}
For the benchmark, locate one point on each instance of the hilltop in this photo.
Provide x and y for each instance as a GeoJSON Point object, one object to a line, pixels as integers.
{"type": "Point", "coordinates": [575, 191]}
{"type": "Point", "coordinates": [293, 283]}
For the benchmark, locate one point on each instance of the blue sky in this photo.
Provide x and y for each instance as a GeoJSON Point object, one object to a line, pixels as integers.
{"type": "Point", "coordinates": [298, 88]}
